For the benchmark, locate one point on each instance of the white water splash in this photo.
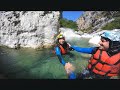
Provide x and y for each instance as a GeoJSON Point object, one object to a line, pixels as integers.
{"type": "Point", "coordinates": [95, 41]}
{"type": "Point", "coordinates": [94, 37]}
{"type": "Point", "coordinates": [69, 34]}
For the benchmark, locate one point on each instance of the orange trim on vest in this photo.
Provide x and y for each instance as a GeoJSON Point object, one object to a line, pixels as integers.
{"type": "Point", "coordinates": [63, 51]}
{"type": "Point", "coordinates": [104, 64]}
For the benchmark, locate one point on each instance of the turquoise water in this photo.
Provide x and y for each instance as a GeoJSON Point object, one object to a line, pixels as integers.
{"type": "Point", "coordinates": [40, 64]}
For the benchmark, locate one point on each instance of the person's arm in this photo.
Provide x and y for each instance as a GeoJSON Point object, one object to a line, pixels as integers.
{"type": "Point", "coordinates": [72, 76]}
{"type": "Point", "coordinates": [58, 53]}
{"type": "Point", "coordinates": [70, 48]}
{"type": "Point", "coordinates": [84, 50]}
{"type": "Point", "coordinates": [70, 71]}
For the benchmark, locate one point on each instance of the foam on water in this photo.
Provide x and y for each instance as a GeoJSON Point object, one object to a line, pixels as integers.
{"type": "Point", "coordinates": [69, 34]}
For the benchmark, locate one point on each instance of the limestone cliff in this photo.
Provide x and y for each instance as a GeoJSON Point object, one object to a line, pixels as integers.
{"type": "Point", "coordinates": [91, 21]}
{"type": "Point", "coordinates": [28, 28]}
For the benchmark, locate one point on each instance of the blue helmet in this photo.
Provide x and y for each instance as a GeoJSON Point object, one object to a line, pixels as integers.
{"type": "Point", "coordinates": [112, 35]}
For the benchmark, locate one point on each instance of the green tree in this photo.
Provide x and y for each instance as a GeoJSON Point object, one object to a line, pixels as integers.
{"type": "Point", "coordinates": [113, 25]}
{"type": "Point", "coordinates": [68, 24]}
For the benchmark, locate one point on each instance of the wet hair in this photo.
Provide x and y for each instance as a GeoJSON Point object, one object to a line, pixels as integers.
{"type": "Point", "coordinates": [107, 39]}
{"type": "Point", "coordinates": [65, 45]}
{"type": "Point", "coordinates": [57, 41]}
{"type": "Point", "coordinates": [114, 48]}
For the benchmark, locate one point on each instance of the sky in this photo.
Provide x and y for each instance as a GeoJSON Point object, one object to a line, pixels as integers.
{"type": "Point", "coordinates": [72, 15]}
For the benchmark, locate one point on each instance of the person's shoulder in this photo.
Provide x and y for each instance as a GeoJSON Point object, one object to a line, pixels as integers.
{"type": "Point", "coordinates": [118, 53]}
{"type": "Point", "coordinates": [56, 45]}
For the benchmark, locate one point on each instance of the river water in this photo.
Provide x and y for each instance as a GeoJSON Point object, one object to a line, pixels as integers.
{"type": "Point", "coordinates": [40, 64]}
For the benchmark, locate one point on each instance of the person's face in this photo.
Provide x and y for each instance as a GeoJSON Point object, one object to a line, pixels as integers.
{"type": "Point", "coordinates": [61, 41]}
{"type": "Point", "coordinates": [104, 44]}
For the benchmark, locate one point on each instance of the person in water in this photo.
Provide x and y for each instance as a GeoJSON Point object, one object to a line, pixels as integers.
{"type": "Point", "coordinates": [62, 48]}
{"type": "Point", "coordinates": [105, 60]}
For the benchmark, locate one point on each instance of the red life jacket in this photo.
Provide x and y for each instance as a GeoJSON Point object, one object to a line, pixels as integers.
{"type": "Point", "coordinates": [63, 51]}
{"type": "Point", "coordinates": [102, 64]}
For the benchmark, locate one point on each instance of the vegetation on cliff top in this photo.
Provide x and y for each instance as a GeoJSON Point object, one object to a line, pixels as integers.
{"type": "Point", "coordinates": [68, 24]}
{"type": "Point", "coordinates": [113, 25]}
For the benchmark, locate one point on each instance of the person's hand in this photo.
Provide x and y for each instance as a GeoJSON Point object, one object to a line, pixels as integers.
{"type": "Point", "coordinates": [69, 68]}
{"type": "Point", "coordinates": [71, 49]}
{"type": "Point", "coordinates": [69, 44]}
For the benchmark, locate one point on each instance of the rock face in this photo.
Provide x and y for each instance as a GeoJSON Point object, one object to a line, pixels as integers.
{"type": "Point", "coordinates": [94, 20]}
{"type": "Point", "coordinates": [28, 28]}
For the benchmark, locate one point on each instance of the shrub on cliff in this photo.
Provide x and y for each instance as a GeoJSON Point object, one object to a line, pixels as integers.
{"type": "Point", "coordinates": [113, 25]}
{"type": "Point", "coordinates": [68, 24]}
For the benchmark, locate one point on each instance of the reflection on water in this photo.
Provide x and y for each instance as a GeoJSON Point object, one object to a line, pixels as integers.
{"type": "Point", "coordinates": [39, 64]}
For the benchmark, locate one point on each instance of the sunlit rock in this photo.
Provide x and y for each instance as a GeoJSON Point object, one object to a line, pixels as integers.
{"type": "Point", "coordinates": [28, 28]}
